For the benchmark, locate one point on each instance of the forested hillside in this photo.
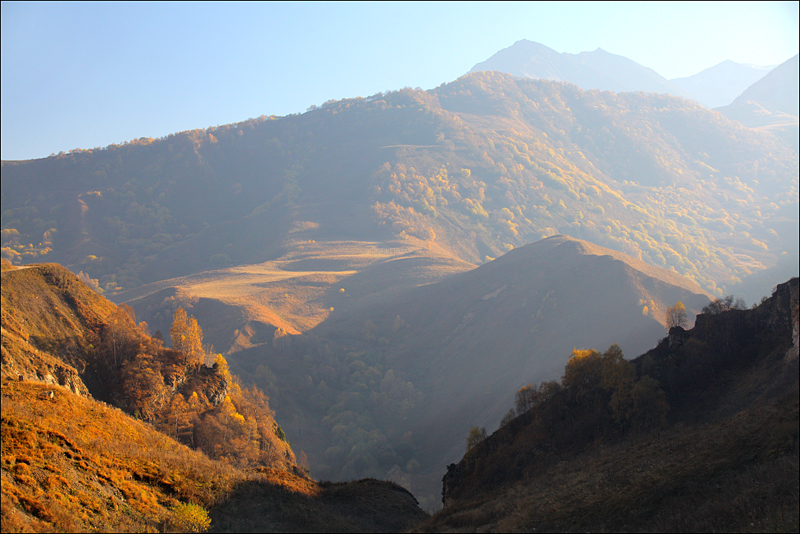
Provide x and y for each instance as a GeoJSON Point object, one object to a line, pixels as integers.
{"type": "Point", "coordinates": [474, 167]}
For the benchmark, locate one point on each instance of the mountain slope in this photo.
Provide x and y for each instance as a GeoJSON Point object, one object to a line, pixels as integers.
{"type": "Point", "coordinates": [469, 168]}
{"type": "Point", "coordinates": [72, 463]}
{"type": "Point", "coordinates": [771, 104]}
{"type": "Point", "coordinates": [473, 338]}
{"type": "Point", "coordinates": [719, 85]}
{"type": "Point", "coordinates": [588, 70]}
{"type": "Point", "coordinates": [726, 461]}
{"type": "Point", "coordinates": [776, 91]}
{"type": "Point", "coordinates": [394, 385]}
{"type": "Point", "coordinates": [58, 331]}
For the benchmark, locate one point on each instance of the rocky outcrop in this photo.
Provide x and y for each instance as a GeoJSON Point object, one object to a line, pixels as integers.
{"type": "Point", "coordinates": [205, 380]}
{"type": "Point", "coordinates": [46, 370]}
{"type": "Point", "coordinates": [22, 361]}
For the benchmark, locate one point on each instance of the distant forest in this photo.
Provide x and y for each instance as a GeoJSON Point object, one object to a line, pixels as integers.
{"type": "Point", "coordinates": [478, 166]}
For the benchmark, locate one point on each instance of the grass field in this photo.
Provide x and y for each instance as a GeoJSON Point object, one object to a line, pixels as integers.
{"type": "Point", "coordinates": [292, 294]}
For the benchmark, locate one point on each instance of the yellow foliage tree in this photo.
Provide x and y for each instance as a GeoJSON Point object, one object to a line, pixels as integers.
{"type": "Point", "coordinates": [187, 337]}
{"type": "Point", "coordinates": [676, 316]}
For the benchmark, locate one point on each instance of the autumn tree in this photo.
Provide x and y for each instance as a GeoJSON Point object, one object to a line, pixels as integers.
{"type": "Point", "coordinates": [724, 304]}
{"type": "Point", "coordinates": [649, 405]}
{"type": "Point", "coordinates": [618, 378]}
{"type": "Point", "coordinates": [508, 417]}
{"type": "Point", "coordinates": [187, 337]}
{"type": "Point", "coordinates": [119, 336]}
{"type": "Point", "coordinates": [676, 316]}
{"type": "Point", "coordinates": [143, 389]}
{"type": "Point", "coordinates": [476, 435]}
{"type": "Point", "coordinates": [583, 374]}
{"type": "Point", "coordinates": [526, 398]}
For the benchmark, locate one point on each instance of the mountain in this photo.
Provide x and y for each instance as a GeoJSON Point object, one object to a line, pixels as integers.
{"type": "Point", "coordinates": [777, 91]}
{"type": "Point", "coordinates": [588, 70]}
{"type": "Point", "coordinates": [272, 231]}
{"type": "Point", "coordinates": [771, 104]}
{"type": "Point", "coordinates": [466, 171]}
{"type": "Point", "coordinates": [716, 448]}
{"type": "Point", "coordinates": [421, 367]}
{"type": "Point", "coordinates": [719, 85]}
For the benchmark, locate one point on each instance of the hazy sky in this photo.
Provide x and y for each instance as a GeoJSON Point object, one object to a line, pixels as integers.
{"type": "Point", "coordinates": [82, 75]}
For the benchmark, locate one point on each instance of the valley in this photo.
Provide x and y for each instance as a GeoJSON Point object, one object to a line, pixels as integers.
{"type": "Point", "coordinates": [297, 323]}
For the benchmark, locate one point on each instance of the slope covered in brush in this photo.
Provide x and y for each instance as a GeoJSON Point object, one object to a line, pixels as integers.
{"type": "Point", "coordinates": [715, 446]}
{"type": "Point", "coordinates": [71, 464]}
{"type": "Point", "coordinates": [57, 330]}
{"type": "Point", "coordinates": [474, 167]}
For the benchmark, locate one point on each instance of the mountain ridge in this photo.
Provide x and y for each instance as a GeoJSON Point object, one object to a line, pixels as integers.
{"type": "Point", "coordinates": [721, 84]}
{"type": "Point", "coordinates": [597, 69]}
{"type": "Point", "coordinates": [127, 221]}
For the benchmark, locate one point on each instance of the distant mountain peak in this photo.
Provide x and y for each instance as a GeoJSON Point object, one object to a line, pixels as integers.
{"type": "Point", "coordinates": [597, 69]}
{"type": "Point", "coordinates": [719, 85]}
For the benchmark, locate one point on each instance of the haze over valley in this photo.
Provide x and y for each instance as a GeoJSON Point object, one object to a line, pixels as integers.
{"type": "Point", "coordinates": [353, 293]}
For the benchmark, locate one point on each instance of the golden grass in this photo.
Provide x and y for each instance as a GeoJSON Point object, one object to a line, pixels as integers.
{"type": "Point", "coordinates": [74, 464]}
{"type": "Point", "coordinates": [293, 292]}
{"type": "Point", "coordinates": [71, 463]}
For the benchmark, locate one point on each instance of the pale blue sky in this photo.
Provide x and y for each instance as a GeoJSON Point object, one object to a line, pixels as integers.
{"type": "Point", "coordinates": [82, 75]}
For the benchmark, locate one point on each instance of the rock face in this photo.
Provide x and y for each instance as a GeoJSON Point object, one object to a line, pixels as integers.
{"type": "Point", "coordinates": [43, 369]}
{"type": "Point", "coordinates": [207, 381]}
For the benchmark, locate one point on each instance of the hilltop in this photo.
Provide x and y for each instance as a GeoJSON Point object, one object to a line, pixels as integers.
{"type": "Point", "coordinates": [715, 449]}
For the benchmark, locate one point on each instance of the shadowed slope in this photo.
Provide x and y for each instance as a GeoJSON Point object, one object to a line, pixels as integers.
{"type": "Point", "coordinates": [471, 340]}
{"type": "Point", "coordinates": [727, 462]}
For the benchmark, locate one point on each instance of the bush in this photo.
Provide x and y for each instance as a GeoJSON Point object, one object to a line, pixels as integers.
{"type": "Point", "coordinates": [190, 517]}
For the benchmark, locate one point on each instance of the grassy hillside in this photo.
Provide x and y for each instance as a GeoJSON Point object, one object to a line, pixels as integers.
{"type": "Point", "coordinates": [57, 330]}
{"type": "Point", "coordinates": [71, 464]}
{"type": "Point", "coordinates": [724, 458]}
{"type": "Point", "coordinates": [241, 307]}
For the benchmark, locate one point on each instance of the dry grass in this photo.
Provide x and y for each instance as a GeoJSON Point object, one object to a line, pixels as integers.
{"type": "Point", "coordinates": [294, 293]}
{"type": "Point", "coordinates": [74, 464]}
{"type": "Point", "coordinates": [71, 463]}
